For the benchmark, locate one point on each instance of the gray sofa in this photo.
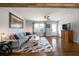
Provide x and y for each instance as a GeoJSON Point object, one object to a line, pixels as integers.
{"type": "Point", "coordinates": [21, 38]}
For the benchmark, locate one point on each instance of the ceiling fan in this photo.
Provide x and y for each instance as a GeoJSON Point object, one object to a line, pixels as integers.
{"type": "Point", "coordinates": [46, 17]}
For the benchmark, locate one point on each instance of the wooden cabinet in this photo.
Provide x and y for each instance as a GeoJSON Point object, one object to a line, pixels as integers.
{"type": "Point", "coordinates": [67, 35]}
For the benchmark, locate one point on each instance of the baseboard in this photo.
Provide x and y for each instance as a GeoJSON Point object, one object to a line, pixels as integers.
{"type": "Point", "coordinates": [54, 36]}
{"type": "Point", "coordinates": [76, 41]}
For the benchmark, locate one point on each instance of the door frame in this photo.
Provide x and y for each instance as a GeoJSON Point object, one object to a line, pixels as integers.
{"type": "Point", "coordinates": [45, 26]}
{"type": "Point", "coordinates": [51, 22]}
{"type": "Point", "coordinates": [39, 22]}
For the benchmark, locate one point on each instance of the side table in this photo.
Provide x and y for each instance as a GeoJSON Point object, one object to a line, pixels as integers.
{"type": "Point", "coordinates": [5, 48]}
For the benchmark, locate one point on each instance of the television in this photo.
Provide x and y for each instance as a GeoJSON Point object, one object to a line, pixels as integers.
{"type": "Point", "coordinates": [66, 26]}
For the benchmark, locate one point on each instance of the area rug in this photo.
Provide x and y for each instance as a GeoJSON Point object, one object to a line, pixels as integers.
{"type": "Point", "coordinates": [41, 45]}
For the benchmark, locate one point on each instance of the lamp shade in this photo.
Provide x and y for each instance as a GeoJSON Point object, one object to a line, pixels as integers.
{"type": "Point", "coordinates": [3, 36]}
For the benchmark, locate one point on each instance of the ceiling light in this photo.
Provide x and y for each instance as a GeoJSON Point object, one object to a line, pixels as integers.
{"type": "Point", "coordinates": [46, 18]}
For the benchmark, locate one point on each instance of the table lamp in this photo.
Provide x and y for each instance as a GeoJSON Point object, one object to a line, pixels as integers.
{"type": "Point", "coordinates": [3, 36]}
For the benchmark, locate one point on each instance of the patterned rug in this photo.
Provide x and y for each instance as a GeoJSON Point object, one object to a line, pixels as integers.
{"type": "Point", "coordinates": [41, 45]}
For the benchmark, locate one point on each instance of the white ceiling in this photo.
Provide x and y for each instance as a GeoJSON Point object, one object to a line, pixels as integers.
{"type": "Point", "coordinates": [37, 14]}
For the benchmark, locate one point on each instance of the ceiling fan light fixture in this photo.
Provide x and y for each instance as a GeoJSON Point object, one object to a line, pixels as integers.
{"type": "Point", "coordinates": [46, 17]}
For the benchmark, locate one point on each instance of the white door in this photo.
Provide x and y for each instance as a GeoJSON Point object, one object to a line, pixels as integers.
{"type": "Point", "coordinates": [39, 29]}
{"type": "Point", "coordinates": [54, 29]}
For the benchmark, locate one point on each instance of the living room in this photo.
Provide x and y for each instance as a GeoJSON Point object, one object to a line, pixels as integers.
{"type": "Point", "coordinates": [45, 16]}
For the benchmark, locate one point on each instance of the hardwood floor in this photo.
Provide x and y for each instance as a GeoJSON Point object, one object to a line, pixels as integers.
{"type": "Point", "coordinates": [60, 48]}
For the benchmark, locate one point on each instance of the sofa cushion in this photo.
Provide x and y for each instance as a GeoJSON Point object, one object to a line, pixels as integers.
{"type": "Point", "coordinates": [23, 41]}
{"type": "Point", "coordinates": [16, 37]}
{"type": "Point", "coordinates": [12, 37]}
{"type": "Point", "coordinates": [20, 35]}
{"type": "Point", "coordinates": [28, 33]}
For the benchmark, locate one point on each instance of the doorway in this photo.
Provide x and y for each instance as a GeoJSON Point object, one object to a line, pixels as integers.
{"type": "Point", "coordinates": [52, 30]}
{"type": "Point", "coordinates": [39, 29]}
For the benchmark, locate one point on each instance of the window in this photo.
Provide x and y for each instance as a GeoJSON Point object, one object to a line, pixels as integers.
{"type": "Point", "coordinates": [39, 27]}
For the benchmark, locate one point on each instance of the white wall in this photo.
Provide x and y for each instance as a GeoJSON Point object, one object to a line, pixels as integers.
{"type": "Point", "coordinates": [29, 26]}
{"type": "Point", "coordinates": [63, 15]}
{"type": "Point", "coordinates": [73, 18]}
{"type": "Point", "coordinates": [4, 22]}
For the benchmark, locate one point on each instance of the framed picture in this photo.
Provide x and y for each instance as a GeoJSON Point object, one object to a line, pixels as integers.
{"type": "Point", "coordinates": [15, 21]}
